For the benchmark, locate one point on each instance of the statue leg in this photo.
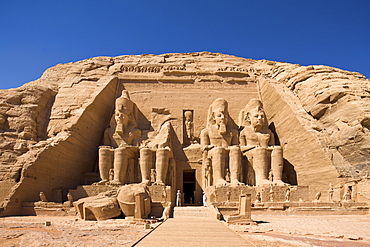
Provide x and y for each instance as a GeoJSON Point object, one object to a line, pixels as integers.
{"type": "Point", "coordinates": [120, 166]}
{"type": "Point", "coordinates": [218, 164]}
{"type": "Point", "coordinates": [162, 160]}
{"type": "Point", "coordinates": [145, 165]}
{"type": "Point", "coordinates": [277, 165]}
{"type": "Point", "coordinates": [105, 163]}
{"type": "Point", "coordinates": [260, 166]}
{"type": "Point", "coordinates": [235, 165]}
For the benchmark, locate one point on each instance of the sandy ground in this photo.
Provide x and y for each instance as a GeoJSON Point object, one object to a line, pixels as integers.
{"type": "Point", "coordinates": [68, 231]}
{"type": "Point", "coordinates": [282, 231]}
{"type": "Point", "coordinates": [344, 230]}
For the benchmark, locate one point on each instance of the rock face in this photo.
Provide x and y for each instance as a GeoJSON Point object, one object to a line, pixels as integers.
{"type": "Point", "coordinates": [51, 128]}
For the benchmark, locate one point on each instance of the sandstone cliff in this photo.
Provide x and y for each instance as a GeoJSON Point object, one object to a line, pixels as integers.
{"type": "Point", "coordinates": [50, 129]}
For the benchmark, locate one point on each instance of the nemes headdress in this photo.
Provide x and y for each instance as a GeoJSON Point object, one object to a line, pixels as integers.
{"type": "Point", "coordinates": [219, 103]}
{"type": "Point", "coordinates": [252, 104]}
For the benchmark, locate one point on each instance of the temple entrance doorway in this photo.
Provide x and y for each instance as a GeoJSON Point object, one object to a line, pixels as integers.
{"type": "Point", "coordinates": [189, 186]}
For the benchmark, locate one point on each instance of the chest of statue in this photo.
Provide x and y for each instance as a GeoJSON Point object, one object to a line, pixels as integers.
{"type": "Point", "coordinates": [218, 139]}
{"type": "Point", "coordinates": [257, 139]}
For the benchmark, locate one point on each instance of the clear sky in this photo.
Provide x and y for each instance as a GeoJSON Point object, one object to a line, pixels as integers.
{"type": "Point", "coordinates": [36, 35]}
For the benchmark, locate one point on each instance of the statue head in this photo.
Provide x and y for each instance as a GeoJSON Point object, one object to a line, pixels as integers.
{"type": "Point", "coordinates": [256, 118]}
{"type": "Point", "coordinates": [218, 115]}
{"type": "Point", "coordinates": [126, 104]}
{"type": "Point", "coordinates": [124, 111]}
{"type": "Point", "coordinates": [188, 116]}
{"type": "Point", "coordinates": [254, 115]}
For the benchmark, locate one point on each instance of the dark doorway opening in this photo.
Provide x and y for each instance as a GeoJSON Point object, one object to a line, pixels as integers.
{"type": "Point", "coordinates": [188, 186]}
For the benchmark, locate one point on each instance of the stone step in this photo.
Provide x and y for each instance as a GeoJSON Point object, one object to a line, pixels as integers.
{"type": "Point", "coordinates": [192, 212]}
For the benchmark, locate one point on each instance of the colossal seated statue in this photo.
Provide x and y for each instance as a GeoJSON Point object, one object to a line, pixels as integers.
{"type": "Point", "coordinates": [257, 143]}
{"type": "Point", "coordinates": [121, 135]}
{"type": "Point", "coordinates": [125, 143]}
{"type": "Point", "coordinates": [220, 143]}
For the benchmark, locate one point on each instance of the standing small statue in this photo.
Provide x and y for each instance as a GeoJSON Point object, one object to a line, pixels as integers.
{"type": "Point", "coordinates": [271, 194]}
{"type": "Point", "coordinates": [271, 176]}
{"type": "Point", "coordinates": [166, 212]}
{"type": "Point", "coordinates": [70, 198]}
{"type": "Point", "coordinates": [208, 173]}
{"type": "Point", "coordinates": [227, 176]}
{"type": "Point", "coordinates": [178, 198]}
{"type": "Point", "coordinates": [111, 174]}
{"type": "Point", "coordinates": [258, 198]}
{"type": "Point", "coordinates": [43, 197]}
{"type": "Point", "coordinates": [228, 195]}
{"type": "Point", "coordinates": [287, 195]}
{"type": "Point", "coordinates": [189, 126]}
{"type": "Point", "coordinates": [331, 192]}
{"type": "Point", "coordinates": [153, 175]}
{"type": "Point", "coordinates": [347, 193]}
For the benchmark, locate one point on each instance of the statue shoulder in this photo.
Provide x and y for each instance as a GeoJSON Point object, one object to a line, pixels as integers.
{"type": "Point", "coordinates": [204, 132]}
{"type": "Point", "coordinates": [246, 130]}
{"type": "Point", "coordinates": [269, 132]}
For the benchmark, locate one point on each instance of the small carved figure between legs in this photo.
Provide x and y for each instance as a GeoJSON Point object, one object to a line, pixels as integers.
{"type": "Point", "coordinates": [287, 195]}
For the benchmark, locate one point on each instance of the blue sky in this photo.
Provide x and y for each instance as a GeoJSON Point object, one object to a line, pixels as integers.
{"type": "Point", "coordinates": [36, 35]}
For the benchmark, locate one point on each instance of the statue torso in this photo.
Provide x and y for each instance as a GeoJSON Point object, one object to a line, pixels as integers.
{"type": "Point", "coordinates": [253, 138]}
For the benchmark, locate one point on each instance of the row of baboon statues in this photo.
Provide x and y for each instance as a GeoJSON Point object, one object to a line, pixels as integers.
{"type": "Point", "coordinates": [221, 142]}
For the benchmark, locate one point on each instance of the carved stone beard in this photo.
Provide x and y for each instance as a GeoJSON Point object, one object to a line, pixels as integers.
{"type": "Point", "coordinates": [121, 125]}
{"type": "Point", "coordinates": [222, 128]}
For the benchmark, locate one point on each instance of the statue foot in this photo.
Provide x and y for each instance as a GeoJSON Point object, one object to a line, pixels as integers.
{"type": "Point", "coordinates": [279, 182]}
{"type": "Point", "coordinates": [221, 182]}
{"type": "Point", "coordinates": [264, 182]}
{"type": "Point", "coordinates": [103, 182]}
{"type": "Point", "coordinates": [115, 182]}
{"type": "Point", "coordinates": [236, 183]}
{"type": "Point", "coordinates": [145, 182]}
{"type": "Point", "coordinates": [159, 183]}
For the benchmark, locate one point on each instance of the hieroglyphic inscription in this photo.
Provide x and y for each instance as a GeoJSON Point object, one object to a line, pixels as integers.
{"type": "Point", "coordinates": [233, 69]}
{"type": "Point", "coordinates": [151, 68]}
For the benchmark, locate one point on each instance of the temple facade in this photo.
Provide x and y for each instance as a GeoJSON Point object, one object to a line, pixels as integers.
{"type": "Point", "coordinates": [194, 123]}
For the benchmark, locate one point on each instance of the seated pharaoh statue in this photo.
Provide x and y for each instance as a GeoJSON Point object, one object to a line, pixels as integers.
{"type": "Point", "coordinates": [257, 143]}
{"type": "Point", "coordinates": [220, 144]}
{"type": "Point", "coordinates": [159, 142]}
{"type": "Point", "coordinates": [124, 142]}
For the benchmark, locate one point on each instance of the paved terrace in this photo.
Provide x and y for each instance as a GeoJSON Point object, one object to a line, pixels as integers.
{"type": "Point", "coordinates": [193, 232]}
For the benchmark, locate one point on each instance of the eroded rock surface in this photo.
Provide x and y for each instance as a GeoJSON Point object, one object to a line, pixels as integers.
{"type": "Point", "coordinates": [50, 129]}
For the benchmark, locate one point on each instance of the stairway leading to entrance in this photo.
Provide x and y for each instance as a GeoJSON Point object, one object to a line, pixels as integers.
{"type": "Point", "coordinates": [192, 212]}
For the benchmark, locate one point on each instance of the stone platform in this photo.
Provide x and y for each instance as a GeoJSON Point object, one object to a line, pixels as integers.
{"type": "Point", "coordinates": [229, 195]}
{"type": "Point", "coordinates": [301, 208]}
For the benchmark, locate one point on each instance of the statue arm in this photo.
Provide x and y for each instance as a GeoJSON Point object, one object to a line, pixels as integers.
{"type": "Point", "coordinates": [204, 140]}
{"type": "Point", "coordinates": [235, 139]}
{"type": "Point", "coordinates": [242, 140]}
{"type": "Point", "coordinates": [244, 145]}
{"type": "Point", "coordinates": [272, 138]}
